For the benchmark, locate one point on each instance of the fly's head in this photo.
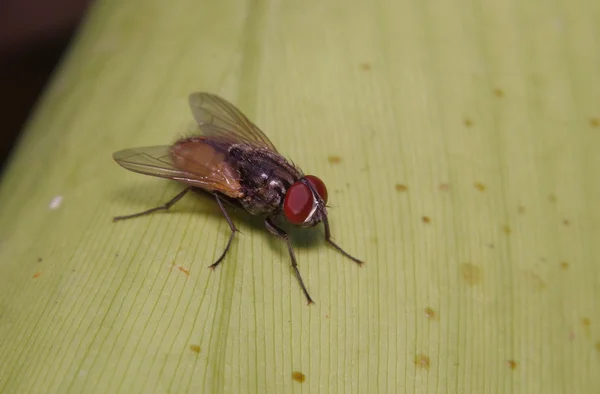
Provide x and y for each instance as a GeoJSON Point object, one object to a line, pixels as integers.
{"type": "Point", "coordinates": [304, 202]}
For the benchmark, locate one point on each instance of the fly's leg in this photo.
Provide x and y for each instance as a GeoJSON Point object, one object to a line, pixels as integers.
{"type": "Point", "coordinates": [330, 241]}
{"type": "Point", "coordinates": [233, 231]}
{"type": "Point", "coordinates": [279, 233]}
{"type": "Point", "coordinates": [164, 207]}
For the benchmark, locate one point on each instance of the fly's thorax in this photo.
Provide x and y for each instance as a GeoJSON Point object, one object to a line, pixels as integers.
{"type": "Point", "coordinates": [265, 177]}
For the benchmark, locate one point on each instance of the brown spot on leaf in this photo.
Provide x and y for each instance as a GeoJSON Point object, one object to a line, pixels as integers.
{"type": "Point", "coordinates": [334, 159]}
{"type": "Point", "coordinates": [430, 313]}
{"type": "Point", "coordinates": [401, 188]}
{"type": "Point", "coordinates": [506, 229]}
{"type": "Point", "coordinates": [298, 376]}
{"type": "Point", "coordinates": [479, 186]}
{"type": "Point", "coordinates": [564, 265]}
{"type": "Point", "coordinates": [586, 323]}
{"type": "Point", "coordinates": [512, 364]}
{"type": "Point", "coordinates": [498, 93]}
{"type": "Point", "coordinates": [566, 222]}
{"type": "Point", "coordinates": [552, 198]}
{"type": "Point", "coordinates": [471, 274]}
{"type": "Point", "coordinates": [365, 66]}
{"type": "Point", "coordinates": [444, 186]}
{"type": "Point", "coordinates": [521, 209]}
{"type": "Point", "coordinates": [422, 361]}
{"type": "Point", "coordinates": [37, 275]}
{"type": "Point", "coordinates": [195, 348]}
{"type": "Point", "coordinates": [535, 281]}
{"type": "Point", "coordinates": [426, 219]}
{"type": "Point", "coordinates": [184, 270]}
{"type": "Point", "coordinates": [180, 268]}
{"type": "Point", "coordinates": [594, 122]}
{"type": "Point", "coordinates": [468, 122]}
{"type": "Point", "coordinates": [39, 259]}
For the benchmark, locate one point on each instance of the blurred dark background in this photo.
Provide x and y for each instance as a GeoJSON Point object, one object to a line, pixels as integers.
{"type": "Point", "coordinates": [33, 36]}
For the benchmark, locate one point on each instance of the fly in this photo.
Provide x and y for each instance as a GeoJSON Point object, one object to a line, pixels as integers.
{"type": "Point", "coordinates": [232, 159]}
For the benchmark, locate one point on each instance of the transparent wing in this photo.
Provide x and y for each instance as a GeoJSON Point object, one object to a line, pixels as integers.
{"type": "Point", "coordinates": [219, 118]}
{"type": "Point", "coordinates": [193, 164]}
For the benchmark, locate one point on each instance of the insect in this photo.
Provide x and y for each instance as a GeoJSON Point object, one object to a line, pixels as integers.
{"type": "Point", "coordinates": [232, 159]}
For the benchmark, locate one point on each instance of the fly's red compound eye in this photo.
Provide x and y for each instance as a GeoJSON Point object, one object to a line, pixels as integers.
{"type": "Point", "coordinates": [299, 200]}
{"type": "Point", "coordinates": [298, 203]}
{"type": "Point", "coordinates": [318, 185]}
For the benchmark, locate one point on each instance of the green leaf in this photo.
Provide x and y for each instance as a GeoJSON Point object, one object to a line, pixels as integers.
{"type": "Point", "coordinates": [459, 143]}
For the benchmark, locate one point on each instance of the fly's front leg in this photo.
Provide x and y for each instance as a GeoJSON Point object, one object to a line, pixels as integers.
{"type": "Point", "coordinates": [163, 207]}
{"type": "Point", "coordinates": [233, 231]}
{"type": "Point", "coordinates": [279, 233]}
{"type": "Point", "coordinates": [330, 241]}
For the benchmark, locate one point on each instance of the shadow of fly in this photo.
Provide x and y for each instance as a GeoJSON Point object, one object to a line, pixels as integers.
{"type": "Point", "coordinates": [233, 159]}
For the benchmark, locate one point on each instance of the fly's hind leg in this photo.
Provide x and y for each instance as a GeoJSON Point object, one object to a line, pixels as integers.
{"type": "Point", "coordinates": [233, 231]}
{"type": "Point", "coordinates": [279, 233]}
{"type": "Point", "coordinates": [163, 207]}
